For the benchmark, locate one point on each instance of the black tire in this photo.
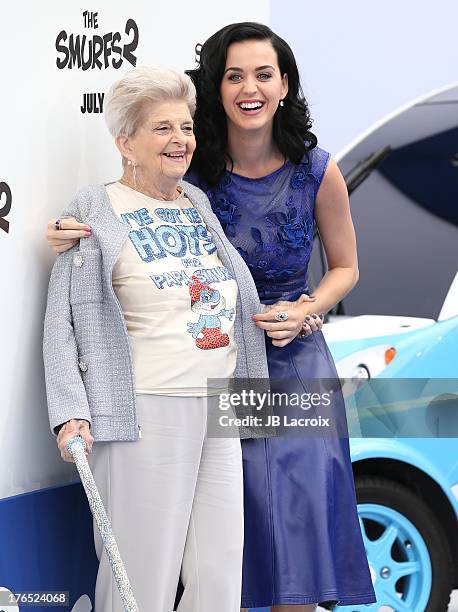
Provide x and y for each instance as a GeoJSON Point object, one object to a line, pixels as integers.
{"type": "Point", "coordinates": [377, 490]}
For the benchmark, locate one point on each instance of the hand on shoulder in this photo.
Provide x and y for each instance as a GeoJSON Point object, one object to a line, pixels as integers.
{"type": "Point", "coordinates": [60, 240]}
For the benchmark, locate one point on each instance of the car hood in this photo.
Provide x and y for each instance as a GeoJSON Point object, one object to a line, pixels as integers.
{"type": "Point", "coordinates": [363, 327]}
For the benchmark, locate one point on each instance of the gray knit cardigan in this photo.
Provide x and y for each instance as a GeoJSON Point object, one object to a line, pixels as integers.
{"type": "Point", "coordinates": [88, 364]}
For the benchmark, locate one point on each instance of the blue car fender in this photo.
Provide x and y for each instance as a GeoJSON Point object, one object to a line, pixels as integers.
{"type": "Point", "coordinates": [405, 451]}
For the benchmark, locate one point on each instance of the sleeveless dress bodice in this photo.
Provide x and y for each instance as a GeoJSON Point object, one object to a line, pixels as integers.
{"type": "Point", "coordinates": [270, 221]}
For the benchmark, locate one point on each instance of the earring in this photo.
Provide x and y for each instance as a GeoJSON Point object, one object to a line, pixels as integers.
{"type": "Point", "coordinates": [134, 171]}
{"type": "Point", "coordinates": [134, 174]}
{"type": "Point", "coordinates": [282, 103]}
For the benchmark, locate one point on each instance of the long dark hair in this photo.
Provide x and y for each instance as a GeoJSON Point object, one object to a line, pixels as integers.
{"type": "Point", "coordinates": [292, 122]}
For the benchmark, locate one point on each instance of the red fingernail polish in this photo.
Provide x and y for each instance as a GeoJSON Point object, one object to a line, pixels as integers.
{"type": "Point", "coordinates": [87, 232]}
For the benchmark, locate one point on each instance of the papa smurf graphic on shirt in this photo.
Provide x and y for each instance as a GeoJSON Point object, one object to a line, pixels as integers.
{"type": "Point", "coordinates": [177, 297]}
{"type": "Point", "coordinates": [209, 304]}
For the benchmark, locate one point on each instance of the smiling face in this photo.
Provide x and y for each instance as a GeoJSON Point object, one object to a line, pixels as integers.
{"type": "Point", "coordinates": [162, 146]}
{"type": "Point", "coordinates": [208, 301]}
{"type": "Point", "coordinates": [252, 86]}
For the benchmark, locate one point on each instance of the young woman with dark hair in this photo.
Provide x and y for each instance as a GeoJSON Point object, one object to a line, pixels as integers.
{"type": "Point", "coordinates": [290, 128]}
{"type": "Point", "coordinates": [269, 185]}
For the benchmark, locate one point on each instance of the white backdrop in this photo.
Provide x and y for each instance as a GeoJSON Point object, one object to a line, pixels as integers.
{"type": "Point", "coordinates": [49, 149]}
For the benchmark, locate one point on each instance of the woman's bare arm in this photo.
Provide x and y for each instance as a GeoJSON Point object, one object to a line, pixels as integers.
{"type": "Point", "coordinates": [335, 225]}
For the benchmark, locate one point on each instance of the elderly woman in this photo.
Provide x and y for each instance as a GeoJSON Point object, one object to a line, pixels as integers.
{"type": "Point", "coordinates": [139, 315]}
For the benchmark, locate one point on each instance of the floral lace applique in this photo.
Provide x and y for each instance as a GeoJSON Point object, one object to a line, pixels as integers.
{"type": "Point", "coordinates": [270, 258]}
{"type": "Point", "coordinates": [282, 239]}
{"type": "Point", "coordinates": [292, 232]}
{"type": "Point", "coordinates": [263, 266]}
{"type": "Point", "coordinates": [302, 176]}
{"type": "Point", "coordinates": [223, 206]}
{"type": "Point", "coordinates": [227, 214]}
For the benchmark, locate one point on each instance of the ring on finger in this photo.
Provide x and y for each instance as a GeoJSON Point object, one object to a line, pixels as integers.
{"type": "Point", "coordinates": [281, 316]}
{"type": "Point", "coordinates": [306, 330]}
{"type": "Point", "coordinates": [58, 224]}
{"type": "Point", "coordinates": [304, 333]}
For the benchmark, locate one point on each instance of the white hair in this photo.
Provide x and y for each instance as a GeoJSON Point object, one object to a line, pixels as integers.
{"type": "Point", "coordinates": [131, 97]}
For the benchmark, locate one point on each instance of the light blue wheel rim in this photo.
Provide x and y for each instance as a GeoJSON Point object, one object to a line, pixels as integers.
{"type": "Point", "coordinates": [416, 568]}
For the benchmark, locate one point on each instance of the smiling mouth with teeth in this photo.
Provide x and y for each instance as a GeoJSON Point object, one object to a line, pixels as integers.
{"type": "Point", "coordinates": [175, 155]}
{"type": "Point", "coordinates": [250, 106]}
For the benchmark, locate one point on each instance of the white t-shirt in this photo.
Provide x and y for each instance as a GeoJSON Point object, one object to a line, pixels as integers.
{"type": "Point", "coordinates": [177, 298]}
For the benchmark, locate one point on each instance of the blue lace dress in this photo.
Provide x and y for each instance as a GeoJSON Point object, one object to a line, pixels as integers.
{"type": "Point", "coordinates": [303, 542]}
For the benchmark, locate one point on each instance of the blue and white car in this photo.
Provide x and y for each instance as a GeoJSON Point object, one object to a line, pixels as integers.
{"type": "Point", "coordinates": [407, 487]}
{"type": "Point", "coordinates": [406, 472]}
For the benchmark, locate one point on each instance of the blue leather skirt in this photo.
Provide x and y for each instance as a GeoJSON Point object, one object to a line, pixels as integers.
{"type": "Point", "coordinates": [303, 542]}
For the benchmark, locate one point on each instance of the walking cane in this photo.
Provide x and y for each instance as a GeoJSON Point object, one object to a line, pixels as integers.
{"type": "Point", "coordinates": [76, 447]}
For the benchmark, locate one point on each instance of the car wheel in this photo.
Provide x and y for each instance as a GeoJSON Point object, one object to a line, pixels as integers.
{"type": "Point", "coordinates": [409, 558]}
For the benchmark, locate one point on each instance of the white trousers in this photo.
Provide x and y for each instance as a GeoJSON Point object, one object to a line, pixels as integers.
{"type": "Point", "coordinates": [175, 501]}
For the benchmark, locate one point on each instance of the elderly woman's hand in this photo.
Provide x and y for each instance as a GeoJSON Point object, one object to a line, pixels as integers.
{"type": "Point", "coordinates": [75, 427]}
{"type": "Point", "coordinates": [301, 319]}
{"type": "Point", "coordinates": [69, 234]}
